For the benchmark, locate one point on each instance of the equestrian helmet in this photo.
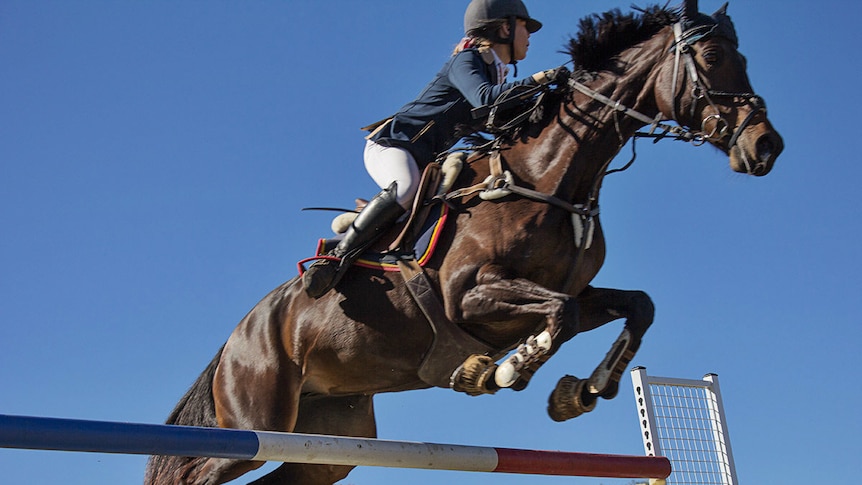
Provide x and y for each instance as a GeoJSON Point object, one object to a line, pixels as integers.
{"type": "Point", "coordinates": [481, 11]}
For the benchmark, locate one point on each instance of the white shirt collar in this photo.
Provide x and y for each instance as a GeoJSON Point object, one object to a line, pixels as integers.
{"type": "Point", "coordinates": [502, 68]}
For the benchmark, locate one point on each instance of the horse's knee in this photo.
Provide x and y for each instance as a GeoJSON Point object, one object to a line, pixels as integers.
{"type": "Point", "coordinates": [570, 319]}
{"type": "Point", "coordinates": [474, 304]}
{"type": "Point", "coordinates": [641, 313]}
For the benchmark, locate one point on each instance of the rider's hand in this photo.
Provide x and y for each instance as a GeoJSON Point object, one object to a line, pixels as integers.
{"type": "Point", "coordinates": [552, 76]}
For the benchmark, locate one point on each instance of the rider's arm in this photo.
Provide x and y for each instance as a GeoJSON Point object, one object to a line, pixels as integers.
{"type": "Point", "coordinates": [468, 73]}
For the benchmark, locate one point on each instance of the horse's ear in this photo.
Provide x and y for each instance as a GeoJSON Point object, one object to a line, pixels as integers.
{"type": "Point", "coordinates": [689, 9]}
{"type": "Point", "coordinates": [725, 26]}
{"type": "Point", "coordinates": [721, 12]}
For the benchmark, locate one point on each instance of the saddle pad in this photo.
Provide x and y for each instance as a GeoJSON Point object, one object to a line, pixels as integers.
{"type": "Point", "coordinates": [425, 245]}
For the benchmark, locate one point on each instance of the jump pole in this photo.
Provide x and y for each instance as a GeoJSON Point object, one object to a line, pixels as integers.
{"type": "Point", "coordinates": [37, 433]}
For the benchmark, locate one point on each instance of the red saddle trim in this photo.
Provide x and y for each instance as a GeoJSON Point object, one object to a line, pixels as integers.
{"type": "Point", "coordinates": [300, 266]}
{"type": "Point", "coordinates": [427, 249]}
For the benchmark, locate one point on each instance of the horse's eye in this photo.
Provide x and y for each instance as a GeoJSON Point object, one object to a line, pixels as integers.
{"type": "Point", "coordinates": [712, 55]}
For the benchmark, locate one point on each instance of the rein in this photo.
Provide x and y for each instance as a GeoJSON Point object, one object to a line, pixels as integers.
{"type": "Point", "coordinates": [513, 98]}
{"type": "Point", "coordinates": [683, 40]}
{"type": "Point", "coordinates": [674, 131]}
{"type": "Point", "coordinates": [501, 183]}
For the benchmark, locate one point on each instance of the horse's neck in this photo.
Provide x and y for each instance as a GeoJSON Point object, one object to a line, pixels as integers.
{"type": "Point", "coordinates": [590, 134]}
{"type": "Point", "coordinates": [635, 88]}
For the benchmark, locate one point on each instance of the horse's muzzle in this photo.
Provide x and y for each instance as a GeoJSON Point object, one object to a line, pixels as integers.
{"type": "Point", "coordinates": [755, 153]}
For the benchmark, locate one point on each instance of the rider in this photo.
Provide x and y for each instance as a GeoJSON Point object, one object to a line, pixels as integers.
{"type": "Point", "coordinates": [497, 33]}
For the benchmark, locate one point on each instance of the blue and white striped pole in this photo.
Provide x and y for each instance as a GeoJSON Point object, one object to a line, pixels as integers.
{"type": "Point", "coordinates": [150, 439]}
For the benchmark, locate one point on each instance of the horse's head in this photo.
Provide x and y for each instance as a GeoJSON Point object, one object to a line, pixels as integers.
{"type": "Point", "coordinates": [707, 88]}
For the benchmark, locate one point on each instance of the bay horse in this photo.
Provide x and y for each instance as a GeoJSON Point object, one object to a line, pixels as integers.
{"type": "Point", "coordinates": [516, 270]}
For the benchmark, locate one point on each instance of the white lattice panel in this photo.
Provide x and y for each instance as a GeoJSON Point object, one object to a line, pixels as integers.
{"type": "Point", "coordinates": [683, 420]}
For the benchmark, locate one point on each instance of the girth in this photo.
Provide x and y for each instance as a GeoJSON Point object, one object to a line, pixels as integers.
{"type": "Point", "coordinates": [451, 345]}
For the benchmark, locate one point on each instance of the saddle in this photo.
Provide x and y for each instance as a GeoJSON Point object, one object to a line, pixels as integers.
{"type": "Point", "coordinates": [406, 248]}
{"type": "Point", "coordinates": [415, 236]}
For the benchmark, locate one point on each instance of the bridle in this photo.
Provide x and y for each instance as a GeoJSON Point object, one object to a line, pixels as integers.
{"type": "Point", "coordinates": [657, 128]}
{"type": "Point", "coordinates": [683, 40]}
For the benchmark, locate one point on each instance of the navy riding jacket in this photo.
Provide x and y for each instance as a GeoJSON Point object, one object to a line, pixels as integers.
{"type": "Point", "coordinates": [434, 121]}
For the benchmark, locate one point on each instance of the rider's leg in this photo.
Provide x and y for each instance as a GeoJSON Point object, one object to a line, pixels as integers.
{"type": "Point", "coordinates": [386, 164]}
{"type": "Point", "coordinates": [380, 212]}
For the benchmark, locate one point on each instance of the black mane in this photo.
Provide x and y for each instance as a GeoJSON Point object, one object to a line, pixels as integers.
{"type": "Point", "coordinates": [603, 36]}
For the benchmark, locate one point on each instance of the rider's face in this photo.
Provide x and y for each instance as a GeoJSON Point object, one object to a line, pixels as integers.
{"type": "Point", "coordinates": [522, 40]}
{"type": "Point", "coordinates": [521, 44]}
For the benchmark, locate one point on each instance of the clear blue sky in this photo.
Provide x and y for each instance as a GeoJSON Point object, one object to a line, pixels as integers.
{"type": "Point", "coordinates": [154, 158]}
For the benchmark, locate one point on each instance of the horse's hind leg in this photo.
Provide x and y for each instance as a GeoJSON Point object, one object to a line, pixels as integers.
{"type": "Point", "coordinates": [215, 471]}
{"type": "Point", "coordinates": [599, 306]}
{"type": "Point", "coordinates": [273, 411]}
{"type": "Point", "coordinates": [255, 386]}
{"type": "Point", "coordinates": [340, 416]}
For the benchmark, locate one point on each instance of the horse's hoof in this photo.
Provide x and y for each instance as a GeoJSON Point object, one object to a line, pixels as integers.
{"type": "Point", "coordinates": [611, 390]}
{"type": "Point", "coordinates": [475, 376]}
{"type": "Point", "coordinates": [570, 399]}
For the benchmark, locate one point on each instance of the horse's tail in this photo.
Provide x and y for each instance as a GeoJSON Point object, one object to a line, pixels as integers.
{"type": "Point", "coordinates": [196, 408]}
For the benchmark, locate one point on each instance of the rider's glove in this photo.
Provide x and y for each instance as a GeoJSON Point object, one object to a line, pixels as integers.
{"type": "Point", "coordinates": [552, 76]}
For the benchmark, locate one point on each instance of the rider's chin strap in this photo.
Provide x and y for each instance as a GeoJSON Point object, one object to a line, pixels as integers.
{"type": "Point", "coordinates": [513, 25]}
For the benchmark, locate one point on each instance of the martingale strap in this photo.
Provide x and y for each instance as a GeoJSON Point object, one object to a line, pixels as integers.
{"type": "Point", "coordinates": [451, 345]}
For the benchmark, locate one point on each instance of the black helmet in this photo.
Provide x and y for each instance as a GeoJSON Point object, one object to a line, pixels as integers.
{"type": "Point", "coordinates": [480, 11]}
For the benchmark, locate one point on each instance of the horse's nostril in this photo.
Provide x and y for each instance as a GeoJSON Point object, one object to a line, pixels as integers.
{"type": "Point", "coordinates": [768, 146]}
{"type": "Point", "coordinates": [765, 147]}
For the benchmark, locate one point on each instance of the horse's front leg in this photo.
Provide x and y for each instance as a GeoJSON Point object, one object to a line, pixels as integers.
{"type": "Point", "coordinates": [497, 299]}
{"type": "Point", "coordinates": [599, 306]}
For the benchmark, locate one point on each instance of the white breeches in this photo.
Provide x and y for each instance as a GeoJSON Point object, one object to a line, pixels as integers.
{"type": "Point", "coordinates": [392, 164]}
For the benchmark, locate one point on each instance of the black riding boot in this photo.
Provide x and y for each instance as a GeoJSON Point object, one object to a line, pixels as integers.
{"type": "Point", "coordinates": [378, 215]}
